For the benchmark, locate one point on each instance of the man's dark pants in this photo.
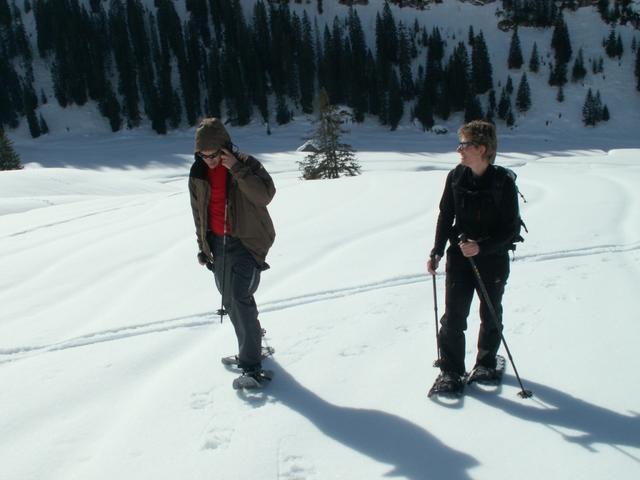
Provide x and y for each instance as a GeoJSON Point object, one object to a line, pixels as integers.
{"type": "Point", "coordinates": [238, 274]}
{"type": "Point", "coordinates": [461, 283]}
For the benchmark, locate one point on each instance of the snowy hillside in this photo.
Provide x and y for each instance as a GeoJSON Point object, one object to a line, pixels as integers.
{"type": "Point", "coordinates": [109, 348]}
{"type": "Point", "coordinates": [616, 82]}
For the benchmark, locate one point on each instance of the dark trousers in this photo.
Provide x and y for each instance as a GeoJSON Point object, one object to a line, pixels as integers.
{"type": "Point", "coordinates": [460, 286]}
{"type": "Point", "coordinates": [237, 278]}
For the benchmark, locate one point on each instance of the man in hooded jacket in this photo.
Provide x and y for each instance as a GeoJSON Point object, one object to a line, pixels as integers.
{"type": "Point", "coordinates": [229, 193]}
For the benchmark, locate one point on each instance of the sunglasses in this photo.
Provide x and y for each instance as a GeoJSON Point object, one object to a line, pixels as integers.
{"type": "Point", "coordinates": [463, 145]}
{"type": "Point", "coordinates": [210, 156]}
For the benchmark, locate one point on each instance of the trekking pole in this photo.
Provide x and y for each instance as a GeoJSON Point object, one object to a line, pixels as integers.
{"type": "Point", "coordinates": [222, 312]}
{"type": "Point", "coordinates": [436, 363]}
{"type": "Point", "coordinates": [483, 289]}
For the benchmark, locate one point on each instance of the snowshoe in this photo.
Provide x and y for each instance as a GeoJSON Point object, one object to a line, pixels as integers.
{"type": "Point", "coordinates": [232, 360]}
{"type": "Point", "coordinates": [252, 380]}
{"type": "Point", "coordinates": [448, 384]}
{"type": "Point", "coordinates": [487, 376]}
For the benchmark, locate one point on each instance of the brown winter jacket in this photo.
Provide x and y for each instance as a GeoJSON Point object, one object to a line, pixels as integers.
{"type": "Point", "coordinates": [250, 189]}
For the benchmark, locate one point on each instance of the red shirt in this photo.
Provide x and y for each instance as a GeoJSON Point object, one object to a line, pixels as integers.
{"type": "Point", "coordinates": [218, 184]}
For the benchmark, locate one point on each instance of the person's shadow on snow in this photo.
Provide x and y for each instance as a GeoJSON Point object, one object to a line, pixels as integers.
{"type": "Point", "coordinates": [412, 451]}
{"type": "Point", "coordinates": [555, 408]}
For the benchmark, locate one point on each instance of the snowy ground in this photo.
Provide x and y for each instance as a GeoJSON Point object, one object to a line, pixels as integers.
{"type": "Point", "coordinates": [109, 350]}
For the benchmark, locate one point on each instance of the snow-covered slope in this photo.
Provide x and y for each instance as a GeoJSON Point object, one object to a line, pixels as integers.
{"type": "Point", "coordinates": [109, 348]}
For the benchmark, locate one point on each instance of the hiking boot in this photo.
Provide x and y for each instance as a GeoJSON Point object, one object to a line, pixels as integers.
{"type": "Point", "coordinates": [447, 384]}
{"type": "Point", "coordinates": [482, 374]}
{"type": "Point", "coordinates": [253, 378]}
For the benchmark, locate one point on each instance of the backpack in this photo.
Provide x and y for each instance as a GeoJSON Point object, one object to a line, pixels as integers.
{"type": "Point", "coordinates": [502, 174]}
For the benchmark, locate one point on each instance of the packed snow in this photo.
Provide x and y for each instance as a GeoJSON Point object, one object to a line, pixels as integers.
{"type": "Point", "coordinates": [110, 348]}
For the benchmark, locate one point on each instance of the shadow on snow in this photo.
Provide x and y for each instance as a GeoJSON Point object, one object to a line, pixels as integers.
{"type": "Point", "coordinates": [414, 453]}
{"type": "Point", "coordinates": [557, 409]}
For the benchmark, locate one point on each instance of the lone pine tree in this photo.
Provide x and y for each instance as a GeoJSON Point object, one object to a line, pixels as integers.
{"type": "Point", "coordinates": [332, 157]}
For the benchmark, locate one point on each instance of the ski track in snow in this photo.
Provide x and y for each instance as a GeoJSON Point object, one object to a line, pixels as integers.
{"type": "Point", "coordinates": [71, 220]}
{"type": "Point", "coordinates": [190, 321]}
{"type": "Point", "coordinates": [11, 354]}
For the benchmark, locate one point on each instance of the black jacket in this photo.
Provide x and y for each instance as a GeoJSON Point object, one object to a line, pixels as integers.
{"type": "Point", "coordinates": [484, 208]}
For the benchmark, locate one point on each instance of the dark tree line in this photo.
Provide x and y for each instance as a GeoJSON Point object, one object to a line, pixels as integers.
{"type": "Point", "coordinates": [138, 62]}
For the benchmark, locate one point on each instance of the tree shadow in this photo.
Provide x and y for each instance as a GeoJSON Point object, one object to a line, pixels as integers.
{"type": "Point", "coordinates": [140, 148]}
{"type": "Point", "coordinates": [557, 409]}
{"type": "Point", "coordinates": [412, 451]}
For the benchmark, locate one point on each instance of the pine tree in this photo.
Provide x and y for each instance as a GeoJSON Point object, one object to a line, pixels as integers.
{"type": "Point", "coordinates": [358, 91]}
{"type": "Point", "coordinates": [127, 74]}
{"type": "Point", "coordinates": [283, 114]}
{"type": "Point", "coordinates": [509, 85]}
{"type": "Point", "coordinates": [589, 113]}
{"type": "Point", "coordinates": [597, 106]}
{"type": "Point", "coordinates": [30, 101]}
{"type": "Point", "coordinates": [619, 47]}
{"type": "Point", "coordinates": [386, 50]}
{"type": "Point", "coordinates": [504, 105]}
{"type": "Point", "coordinates": [534, 61]}
{"type": "Point", "coordinates": [510, 120]}
{"type": "Point", "coordinates": [333, 62]}
{"type": "Point", "coordinates": [605, 114]}
{"type": "Point", "coordinates": [492, 100]}
{"type": "Point", "coordinates": [163, 107]}
{"type": "Point", "coordinates": [481, 70]}
{"type": "Point", "coordinates": [307, 66]}
{"type": "Point", "coordinates": [396, 105]}
{"type": "Point", "coordinates": [523, 96]}
{"type": "Point", "coordinates": [423, 110]}
{"type": "Point", "coordinates": [443, 103]}
{"type": "Point", "coordinates": [141, 48]}
{"type": "Point", "coordinates": [558, 75]}
{"type": "Point", "coordinates": [110, 108]}
{"type": "Point", "coordinates": [560, 94]}
{"type": "Point", "coordinates": [578, 72]}
{"type": "Point", "coordinates": [11, 103]}
{"type": "Point", "coordinates": [458, 77]}
{"type": "Point", "coordinates": [373, 98]}
{"type": "Point", "coordinates": [610, 43]}
{"type": "Point", "coordinates": [472, 108]}
{"type": "Point", "coordinates": [404, 64]}
{"type": "Point", "coordinates": [333, 157]}
{"type": "Point", "coordinates": [561, 42]}
{"type": "Point", "coordinates": [214, 83]}
{"type": "Point", "coordinates": [9, 158]}
{"type": "Point", "coordinates": [390, 35]}
{"type": "Point", "coordinates": [515, 59]}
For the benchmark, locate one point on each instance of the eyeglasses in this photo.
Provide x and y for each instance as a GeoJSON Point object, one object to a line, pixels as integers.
{"type": "Point", "coordinates": [210, 156]}
{"type": "Point", "coordinates": [464, 145]}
